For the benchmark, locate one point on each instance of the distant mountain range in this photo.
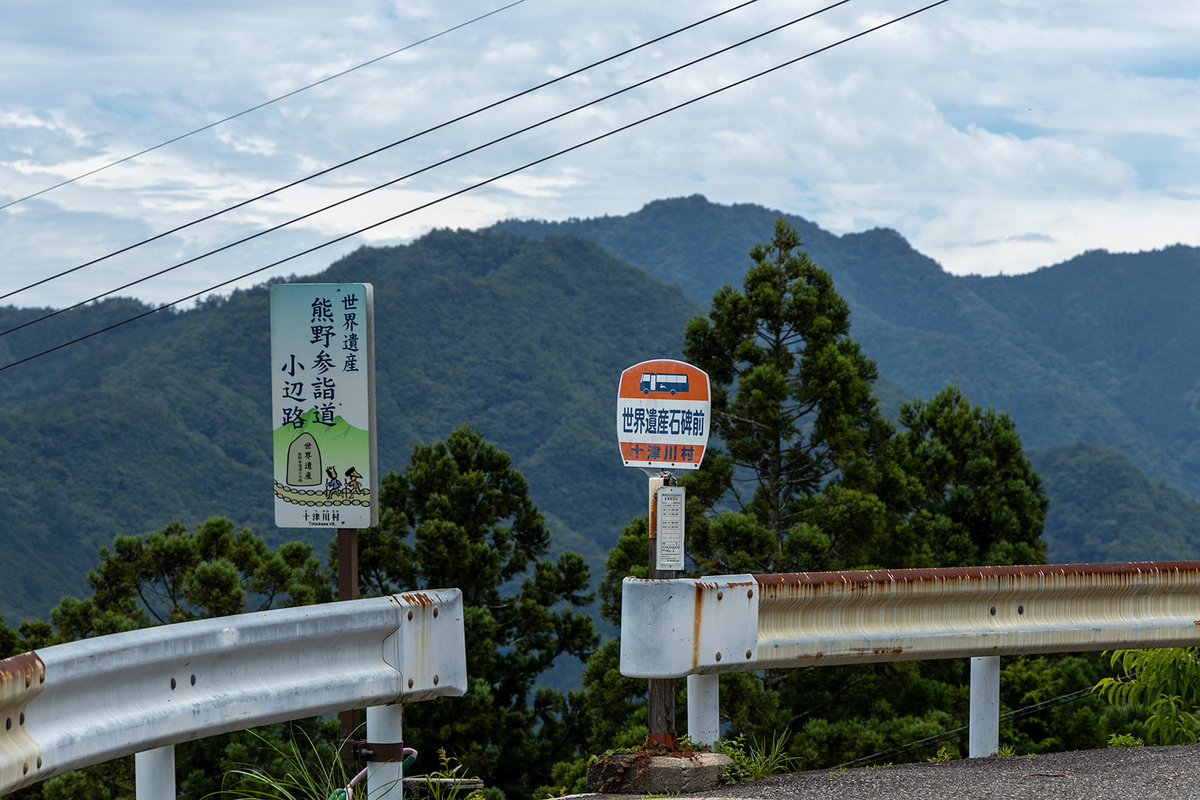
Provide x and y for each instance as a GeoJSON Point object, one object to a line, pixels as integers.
{"type": "Point", "coordinates": [522, 331]}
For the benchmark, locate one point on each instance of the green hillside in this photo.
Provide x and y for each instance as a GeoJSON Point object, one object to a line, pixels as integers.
{"type": "Point", "coordinates": [1103, 348]}
{"type": "Point", "coordinates": [1015, 343]}
{"type": "Point", "coordinates": [170, 418]}
{"type": "Point", "coordinates": [1105, 509]}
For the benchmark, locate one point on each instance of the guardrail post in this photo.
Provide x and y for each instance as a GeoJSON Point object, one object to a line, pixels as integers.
{"type": "Point", "coordinates": [983, 736]}
{"type": "Point", "coordinates": [385, 780]}
{"type": "Point", "coordinates": [154, 774]}
{"type": "Point", "coordinates": [703, 708]}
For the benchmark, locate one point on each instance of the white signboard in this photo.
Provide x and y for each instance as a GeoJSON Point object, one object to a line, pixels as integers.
{"type": "Point", "coordinates": [669, 527]}
{"type": "Point", "coordinates": [663, 415]}
{"type": "Point", "coordinates": [323, 390]}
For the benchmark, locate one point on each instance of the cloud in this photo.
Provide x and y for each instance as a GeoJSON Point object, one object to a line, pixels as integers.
{"type": "Point", "coordinates": [993, 136]}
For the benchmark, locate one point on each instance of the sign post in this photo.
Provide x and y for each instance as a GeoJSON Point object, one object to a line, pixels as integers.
{"type": "Point", "coordinates": [663, 415]}
{"type": "Point", "coordinates": [323, 406]}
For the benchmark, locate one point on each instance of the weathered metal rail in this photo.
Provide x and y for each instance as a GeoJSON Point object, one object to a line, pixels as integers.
{"type": "Point", "coordinates": [86, 702]}
{"type": "Point", "coordinates": [734, 623]}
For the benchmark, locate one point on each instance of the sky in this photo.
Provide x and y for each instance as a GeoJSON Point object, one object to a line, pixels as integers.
{"type": "Point", "coordinates": [997, 136]}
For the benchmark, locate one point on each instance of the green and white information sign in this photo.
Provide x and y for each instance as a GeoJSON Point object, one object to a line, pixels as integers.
{"type": "Point", "coordinates": [323, 389]}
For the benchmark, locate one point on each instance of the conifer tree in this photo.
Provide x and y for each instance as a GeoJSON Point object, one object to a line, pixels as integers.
{"type": "Point", "coordinates": [793, 409]}
{"type": "Point", "coordinates": [460, 516]}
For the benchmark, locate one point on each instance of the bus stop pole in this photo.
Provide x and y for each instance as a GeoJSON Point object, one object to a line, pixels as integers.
{"type": "Point", "coordinates": [661, 691]}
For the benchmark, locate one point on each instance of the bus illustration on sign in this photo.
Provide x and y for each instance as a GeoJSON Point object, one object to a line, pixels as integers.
{"type": "Point", "coordinates": [663, 382]}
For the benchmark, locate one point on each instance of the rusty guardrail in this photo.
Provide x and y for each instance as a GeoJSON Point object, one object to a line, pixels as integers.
{"type": "Point", "coordinates": [735, 623]}
{"type": "Point", "coordinates": [85, 702]}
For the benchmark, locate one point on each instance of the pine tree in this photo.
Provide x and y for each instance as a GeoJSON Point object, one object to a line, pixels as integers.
{"type": "Point", "coordinates": [460, 516]}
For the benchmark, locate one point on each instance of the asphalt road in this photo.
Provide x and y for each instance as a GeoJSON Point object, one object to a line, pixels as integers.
{"type": "Point", "coordinates": [1120, 774]}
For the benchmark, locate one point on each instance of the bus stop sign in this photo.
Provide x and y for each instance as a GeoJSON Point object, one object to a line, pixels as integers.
{"type": "Point", "coordinates": [663, 415]}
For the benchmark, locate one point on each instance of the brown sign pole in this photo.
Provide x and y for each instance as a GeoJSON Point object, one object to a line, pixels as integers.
{"type": "Point", "coordinates": [348, 590]}
{"type": "Point", "coordinates": [661, 694]}
{"type": "Point", "coordinates": [663, 418]}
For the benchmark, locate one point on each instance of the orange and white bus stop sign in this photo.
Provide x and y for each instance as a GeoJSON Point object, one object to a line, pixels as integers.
{"type": "Point", "coordinates": [663, 415]}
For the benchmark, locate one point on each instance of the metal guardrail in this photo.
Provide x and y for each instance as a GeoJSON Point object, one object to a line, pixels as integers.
{"type": "Point", "coordinates": [90, 701]}
{"type": "Point", "coordinates": [735, 623]}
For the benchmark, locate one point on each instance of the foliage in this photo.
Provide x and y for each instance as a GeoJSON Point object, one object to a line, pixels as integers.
{"type": "Point", "coordinates": [1105, 509]}
{"type": "Point", "coordinates": [460, 516]}
{"type": "Point", "coordinates": [1164, 684]}
{"type": "Point", "coordinates": [308, 770]}
{"type": "Point", "coordinates": [446, 783]}
{"type": "Point", "coordinates": [1100, 348]}
{"type": "Point", "coordinates": [1125, 740]}
{"type": "Point", "coordinates": [979, 499]}
{"type": "Point", "coordinates": [161, 419]}
{"type": "Point", "coordinates": [1082, 723]}
{"type": "Point", "coordinates": [832, 485]}
{"type": "Point", "coordinates": [755, 760]}
{"type": "Point", "coordinates": [940, 755]}
{"type": "Point", "coordinates": [792, 406]}
{"type": "Point", "coordinates": [169, 418]}
{"type": "Point", "coordinates": [175, 575]}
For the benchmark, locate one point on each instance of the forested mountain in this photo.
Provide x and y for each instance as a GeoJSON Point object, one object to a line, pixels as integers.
{"type": "Point", "coordinates": [169, 418]}
{"type": "Point", "coordinates": [1103, 348]}
{"type": "Point", "coordinates": [1103, 508]}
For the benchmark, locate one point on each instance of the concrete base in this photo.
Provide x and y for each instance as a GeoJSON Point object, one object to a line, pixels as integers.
{"type": "Point", "coordinates": [637, 773]}
{"type": "Point", "coordinates": [418, 787]}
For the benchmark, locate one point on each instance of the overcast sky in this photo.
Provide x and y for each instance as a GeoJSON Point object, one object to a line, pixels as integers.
{"type": "Point", "coordinates": [995, 135]}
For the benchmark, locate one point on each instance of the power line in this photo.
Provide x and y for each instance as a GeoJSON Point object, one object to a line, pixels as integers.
{"type": "Point", "coordinates": [256, 108]}
{"type": "Point", "coordinates": [479, 184]}
{"type": "Point", "coordinates": [368, 154]}
{"type": "Point", "coordinates": [955, 733]}
{"type": "Point", "coordinates": [426, 168]}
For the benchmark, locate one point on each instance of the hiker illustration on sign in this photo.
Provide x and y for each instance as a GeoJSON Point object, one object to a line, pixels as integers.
{"type": "Point", "coordinates": [323, 405]}
{"type": "Point", "coordinates": [663, 414]}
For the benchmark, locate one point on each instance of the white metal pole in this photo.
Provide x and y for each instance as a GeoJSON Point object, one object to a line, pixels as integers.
{"type": "Point", "coordinates": [154, 772]}
{"type": "Point", "coordinates": [983, 738]}
{"type": "Point", "coordinates": [385, 780]}
{"type": "Point", "coordinates": [703, 708]}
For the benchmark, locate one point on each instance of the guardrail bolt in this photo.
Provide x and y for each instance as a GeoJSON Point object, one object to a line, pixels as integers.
{"type": "Point", "coordinates": [435, 611]}
{"type": "Point", "coordinates": [1020, 609]}
{"type": "Point", "coordinates": [435, 680]}
{"type": "Point", "coordinates": [193, 680]}
{"type": "Point", "coordinates": [8, 724]}
{"type": "Point", "coordinates": [750, 594]}
{"type": "Point", "coordinates": [720, 594]}
{"type": "Point", "coordinates": [993, 611]}
{"type": "Point", "coordinates": [718, 655]}
{"type": "Point", "coordinates": [747, 654]}
{"type": "Point", "coordinates": [410, 683]}
{"type": "Point", "coordinates": [172, 684]}
{"type": "Point", "coordinates": [22, 721]}
{"type": "Point", "coordinates": [410, 613]}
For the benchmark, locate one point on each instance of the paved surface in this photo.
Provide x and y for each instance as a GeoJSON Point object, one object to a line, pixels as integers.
{"type": "Point", "coordinates": [1118, 774]}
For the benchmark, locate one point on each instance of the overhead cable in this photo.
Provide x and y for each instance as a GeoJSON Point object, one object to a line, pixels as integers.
{"type": "Point", "coordinates": [422, 170]}
{"type": "Point", "coordinates": [479, 184]}
{"type": "Point", "coordinates": [257, 107]}
{"type": "Point", "coordinates": [374, 152]}
{"type": "Point", "coordinates": [955, 733]}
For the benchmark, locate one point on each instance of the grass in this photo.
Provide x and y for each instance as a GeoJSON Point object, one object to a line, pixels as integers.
{"type": "Point", "coordinates": [754, 760]}
{"type": "Point", "coordinates": [436, 789]}
{"type": "Point", "coordinates": [312, 772]}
